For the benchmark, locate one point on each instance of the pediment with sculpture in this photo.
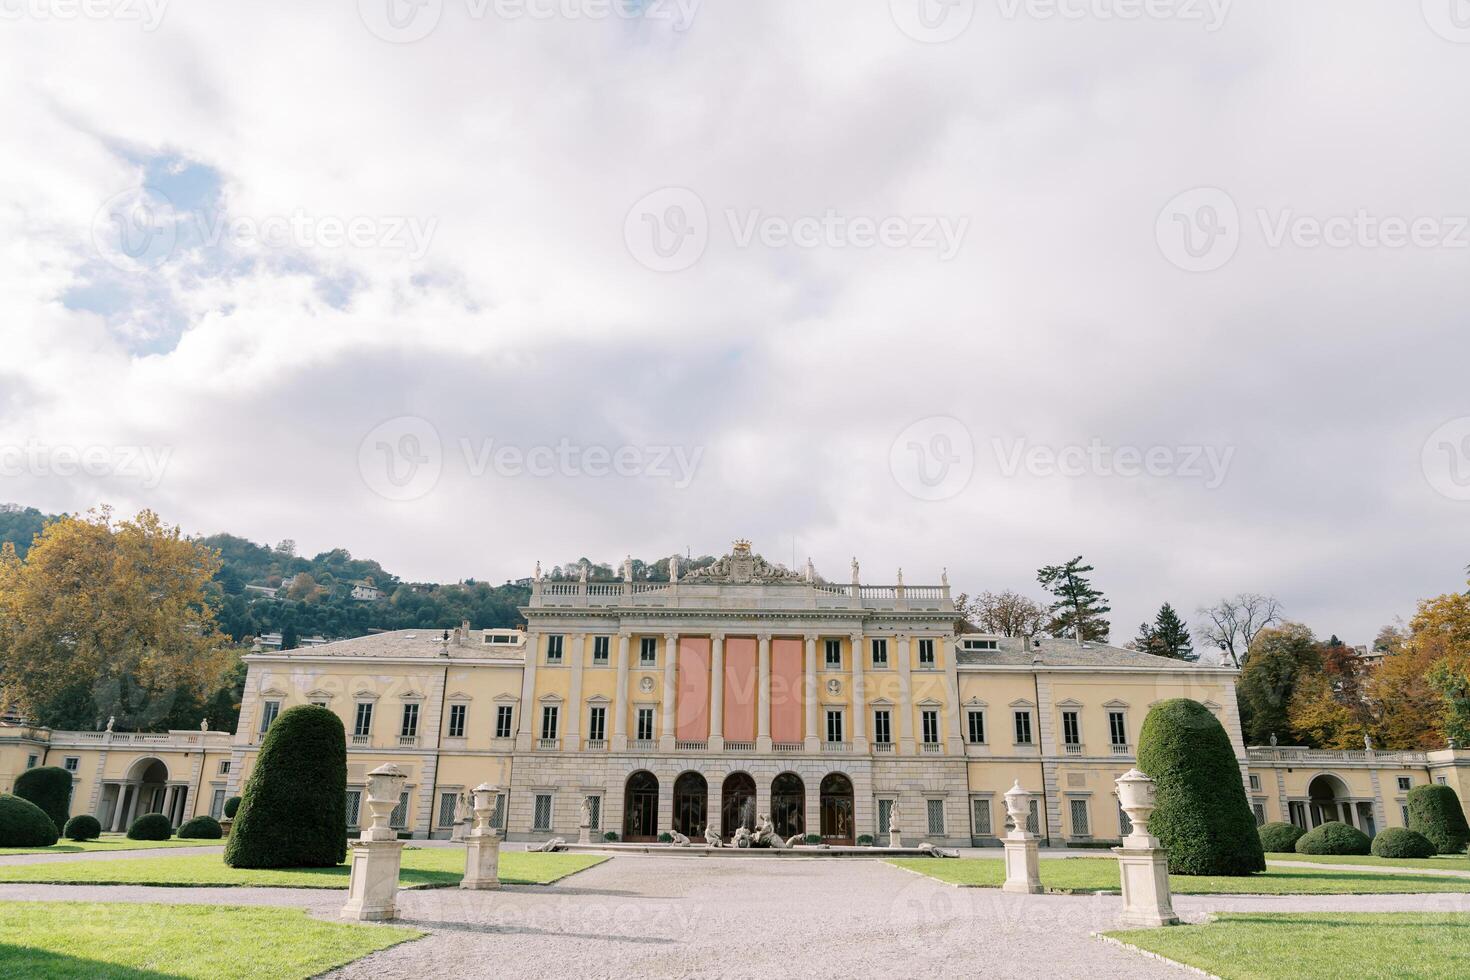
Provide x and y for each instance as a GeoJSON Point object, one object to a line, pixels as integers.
{"type": "Point", "coordinates": [743, 567]}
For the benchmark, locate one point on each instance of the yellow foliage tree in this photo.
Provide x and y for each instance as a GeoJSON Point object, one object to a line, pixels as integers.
{"type": "Point", "coordinates": [110, 602]}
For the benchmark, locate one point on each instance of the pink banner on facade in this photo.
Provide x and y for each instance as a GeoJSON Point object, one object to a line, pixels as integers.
{"type": "Point", "coordinates": [741, 654]}
{"type": "Point", "coordinates": [691, 722]}
{"type": "Point", "coordinates": [786, 704]}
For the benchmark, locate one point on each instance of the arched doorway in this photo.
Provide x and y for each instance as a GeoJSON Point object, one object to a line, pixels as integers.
{"type": "Point", "coordinates": [1327, 800]}
{"type": "Point", "coordinates": [788, 805]}
{"type": "Point", "coordinates": [837, 826]}
{"type": "Point", "coordinates": [640, 807]}
{"type": "Point", "coordinates": [691, 805]}
{"type": "Point", "coordinates": [737, 803]}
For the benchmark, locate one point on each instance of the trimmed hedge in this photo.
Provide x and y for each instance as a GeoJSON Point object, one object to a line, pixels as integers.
{"type": "Point", "coordinates": [1435, 812]}
{"type": "Point", "coordinates": [23, 824]}
{"type": "Point", "coordinates": [611, 835]}
{"type": "Point", "coordinates": [1334, 837]}
{"type": "Point", "coordinates": [49, 787]}
{"type": "Point", "coordinates": [151, 826]}
{"type": "Point", "coordinates": [83, 826]}
{"type": "Point", "coordinates": [1280, 838]}
{"type": "Point", "coordinates": [231, 806]}
{"type": "Point", "coordinates": [201, 828]}
{"type": "Point", "coordinates": [1397, 842]}
{"type": "Point", "coordinates": [293, 813]}
{"type": "Point", "coordinates": [1202, 815]}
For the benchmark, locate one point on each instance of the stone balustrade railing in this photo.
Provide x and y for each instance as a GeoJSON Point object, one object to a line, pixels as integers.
{"type": "Point", "coordinates": [781, 595]}
{"type": "Point", "coordinates": [1299, 754]}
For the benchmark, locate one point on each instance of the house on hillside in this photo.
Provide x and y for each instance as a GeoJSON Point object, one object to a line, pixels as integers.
{"type": "Point", "coordinates": [269, 591]}
{"type": "Point", "coordinates": [366, 592]}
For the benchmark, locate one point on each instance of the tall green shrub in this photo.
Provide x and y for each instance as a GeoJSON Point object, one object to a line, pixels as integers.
{"type": "Point", "coordinates": [1435, 812]}
{"type": "Point", "coordinates": [23, 824]}
{"type": "Point", "coordinates": [1279, 838]}
{"type": "Point", "coordinates": [293, 813]}
{"type": "Point", "coordinates": [49, 787]}
{"type": "Point", "coordinates": [1202, 816]}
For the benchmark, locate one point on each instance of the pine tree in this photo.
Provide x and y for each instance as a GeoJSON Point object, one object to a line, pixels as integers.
{"type": "Point", "coordinates": [1169, 637]}
{"type": "Point", "coordinates": [1079, 608]}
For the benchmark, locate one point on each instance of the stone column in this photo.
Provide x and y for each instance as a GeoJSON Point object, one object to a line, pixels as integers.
{"type": "Point", "coordinates": [1143, 864]}
{"type": "Point", "coordinates": [763, 697]}
{"type": "Point", "coordinates": [620, 698]}
{"type": "Point", "coordinates": [717, 693]}
{"type": "Point", "coordinates": [572, 741]}
{"type": "Point", "coordinates": [1023, 865]}
{"type": "Point", "coordinates": [903, 650]}
{"type": "Point", "coordinates": [372, 889]}
{"type": "Point", "coordinates": [482, 845]}
{"type": "Point", "coordinates": [668, 704]}
{"type": "Point", "coordinates": [526, 731]}
{"type": "Point", "coordinates": [859, 697]}
{"type": "Point", "coordinates": [809, 692]}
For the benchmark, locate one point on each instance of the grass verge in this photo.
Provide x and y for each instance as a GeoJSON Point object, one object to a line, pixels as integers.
{"type": "Point", "coordinates": [436, 866]}
{"type": "Point", "coordinates": [1316, 945]}
{"type": "Point", "coordinates": [1440, 862]}
{"type": "Point", "coordinates": [107, 842]}
{"type": "Point", "coordinates": [1089, 875]}
{"type": "Point", "coordinates": [122, 941]}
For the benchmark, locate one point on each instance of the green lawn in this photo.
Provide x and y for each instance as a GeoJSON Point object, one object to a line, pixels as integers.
{"type": "Point", "coordinates": [54, 940]}
{"type": "Point", "coordinates": [1101, 874]}
{"type": "Point", "coordinates": [1440, 862]}
{"type": "Point", "coordinates": [1318, 945]}
{"type": "Point", "coordinates": [421, 866]}
{"type": "Point", "coordinates": [108, 842]}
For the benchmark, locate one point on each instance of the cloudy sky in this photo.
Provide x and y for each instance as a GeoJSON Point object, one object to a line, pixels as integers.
{"type": "Point", "coordinates": [464, 284]}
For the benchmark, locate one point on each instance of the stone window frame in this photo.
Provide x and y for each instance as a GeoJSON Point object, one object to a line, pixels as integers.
{"type": "Point", "coordinates": [988, 799]}
{"type": "Point", "coordinates": [462, 705]}
{"type": "Point", "coordinates": [1404, 783]}
{"type": "Point", "coordinates": [884, 708]}
{"type": "Point", "coordinates": [72, 763]}
{"type": "Point", "coordinates": [605, 640]}
{"type": "Point", "coordinates": [933, 661]}
{"type": "Point", "coordinates": [452, 792]}
{"type": "Point", "coordinates": [591, 704]}
{"type": "Point", "coordinates": [505, 703]}
{"type": "Point", "coordinates": [875, 644]}
{"type": "Point", "coordinates": [639, 707]}
{"type": "Point", "coordinates": [932, 805]}
{"type": "Point", "coordinates": [556, 650]}
{"type": "Point", "coordinates": [1117, 707]}
{"type": "Point", "coordinates": [828, 645]}
{"type": "Point", "coordinates": [416, 703]}
{"type": "Point", "coordinates": [828, 711]}
{"type": "Point", "coordinates": [647, 651]}
{"type": "Point", "coordinates": [1074, 799]}
{"type": "Point", "coordinates": [536, 798]}
{"type": "Point", "coordinates": [929, 707]}
{"type": "Point", "coordinates": [1072, 707]}
{"type": "Point", "coordinates": [1021, 707]}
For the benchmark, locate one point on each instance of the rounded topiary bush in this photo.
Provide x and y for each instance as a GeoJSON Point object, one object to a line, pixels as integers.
{"type": "Point", "coordinates": [151, 826]}
{"type": "Point", "coordinates": [201, 828]}
{"type": "Point", "coordinates": [49, 787]}
{"type": "Point", "coordinates": [23, 824]}
{"type": "Point", "coordinates": [865, 840]}
{"type": "Point", "coordinates": [1398, 842]}
{"type": "Point", "coordinates": [611, 835]}
{"type": "Point", "coordinates": [1435, 812]}
{"type": "Point", "coordinates": [1280, 838]}
{"type": "Point", "coordinates": [1333, 837]}
{"type": "Point", "coordinates": [293, 813]}
{"type": "Point", "coordinates": [1202, 816]}
{"type": "Point", "coordinates": [231, 806]}
{"type": "Point", "coordinates": [83, 826]}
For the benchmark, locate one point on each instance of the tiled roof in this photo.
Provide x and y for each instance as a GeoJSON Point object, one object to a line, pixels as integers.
{"type": "Point", "coordinates": [427, 644]}
{"type": "Point", "coordinates": [1014, 652]}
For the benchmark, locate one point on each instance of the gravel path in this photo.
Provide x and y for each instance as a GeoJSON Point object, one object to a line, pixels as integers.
{"type": "Point", "coordinates": [142, 852]}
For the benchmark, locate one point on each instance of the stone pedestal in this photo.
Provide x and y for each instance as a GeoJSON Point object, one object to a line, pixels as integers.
{"type": "Point", "coordinates": [481, 861]}
{"type": "Point", "coordinates": [1146, 899]}
{"type": "Point", "coordinates": [584, 833]}
{"type": "Point", "coordinates": [1023, 864]}
{"type": "Point", "coordinates": [372, 891]}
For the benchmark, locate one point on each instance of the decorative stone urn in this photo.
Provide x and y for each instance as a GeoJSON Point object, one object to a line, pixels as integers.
{"type": "Point", "coordinates": [1143, 864]}
{"type": "Point", "coordinates": [482, 844]}
{"type": "Point", "coordinates": [1022, 850]}
{"type": "Point", "coordinates": [372, 890]}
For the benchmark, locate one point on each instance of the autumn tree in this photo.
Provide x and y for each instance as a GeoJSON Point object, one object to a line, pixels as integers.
{"type": "Point", "coordinates": [1276, 660]}
{"type": "Point", "coordinates": [1079, 608]}
{"type": "Point", "coordinates": [121, 605]}
{"type": "Point", "coordinates": [1233, 624]}
{"type": "Point", "coordinates": [1005, 613]}
{"type": "Point", "coordinates": [1329, 707]}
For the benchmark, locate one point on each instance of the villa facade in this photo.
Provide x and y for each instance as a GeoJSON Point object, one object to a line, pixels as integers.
{"type": "Point", "coordinates": [737, 690]}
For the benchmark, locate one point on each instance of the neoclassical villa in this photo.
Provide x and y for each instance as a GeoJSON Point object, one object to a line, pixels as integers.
{"type": "Point", "coordinates": [734, 690]}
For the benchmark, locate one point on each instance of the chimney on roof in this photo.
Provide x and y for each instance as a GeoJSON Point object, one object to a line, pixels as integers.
{"type": "Point", "coordinates": [464, 632]}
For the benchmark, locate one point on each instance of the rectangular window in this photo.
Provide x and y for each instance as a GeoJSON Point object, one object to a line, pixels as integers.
{"type": "Point", "coordinates": [497, 816]}
{"type": "Point", "coordinates": [930, 720]}
{"type": "Point", "coordinates": [834, 654]}
{"type": "Point", "coordinates": [880, 653]}
{"type": "Point", "coordinates": [1405, 783]}
{"type": "Point", "coordinates": [354, 804]}
{"type": "Point", "coordinates": [1125, 825]}
{"type": "Point", "coordinates": [1255, 781]}
{"type": "Point", "coordinates": [320, 704]}
{"type": "Point", "coordinates": [1259, 809]}
{"type": "Point", "coordinates": [456, 720]}
{"type": "Point", "coordinates": [503, 714]}
{"type": "Point", "coordinates": [554, 648]}
{"type": "Point", "coordinates": [980, 644]}
{"type": "Point", "coordinates": [1023, 728]}
{"type": "Point", "coordinates": [1117, 728]}
{"type": "Point", "coordinates": [1296, 813]}
{"type": "Point", "coordinates": [448, 803]}
{"type": "Point", "coordinates": [72, 763]}
{"type": "Point", "coordinates": [410, 726]}
{"type": "Point", "coordinates": [31, 761]}
{"type": "Point", "coordinates": [600, 647]}
{"type": "Point", "coordinates": [980, 817]}
{"type": "Point", "coordinates": [268, 712]}
{"type": "Point", "coordinates": [1079, 819]}
{"type": "Point", "coordinates": [1033, 818]}
{"type": "Point", "coordinates": [882, 729]}
{"type": "Point", "coordinates": [834, 726]}
{"type": "Point", "coordinates": [645, 724]}
{"type": "Point", "coordinates": [363, 725]}
{"type": "Point", "coordinates": [1071, 730]}
{"type": "Point", "coordinates": [1404, 812]}
{"type": "Point", "coordinates": [224, 767]}
{"type": "Point", "coordinates": [1442, 780]}
{"type": "Point", "coordinates": [548, 720]}
{"type": "Point", "coordinates": [594, 812]}
{"type": "Point", "coordinates": [217, 804]}
{"type": "Point", "coordinates": [976, 722]}
{"type": "Point", "coordinates": [936, 816]}
{"type": "Point", "coordinates": [597, 723]}
{"type": "Point", "coordinates": [398, 819]}
{"type": "Point", "coordinates": [541, 819]}
{"type": "Point", "coordinates": [647, 651]}
{"type": "Point", "coordinates": [885, 812]}
{"type": "Point", "coordinates": [926, 652]}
